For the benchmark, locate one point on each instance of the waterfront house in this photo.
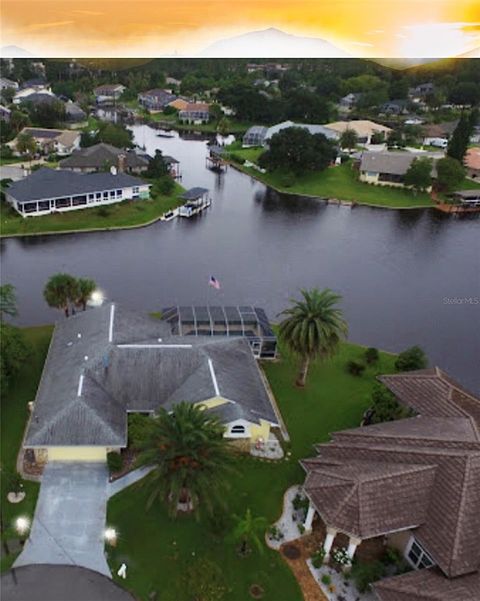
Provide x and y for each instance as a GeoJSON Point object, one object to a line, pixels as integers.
{"type": "Point", "coordinates": [364, 129]}
{"type": "Point", "coordinates": [59, 141]}
{"type": "Point", "coordinates": [108, 93]}
{"type": "Point", "coordinates": [173, 166]}
{"type": "Point", "coordinates": [195, 113]}
{"type": "Point", "coordinates": [5, 113]}
{"type": "Point", "coordinates": [156, 100]}
{"type": "Point", "coordinates": [387, 168]}
{"type": "Point", "coordinates": [472, 162]}
{"type": "Point", "coordinates": [254, 136]}
{"type": "Point", "coordinates": [312, 128]}
{"type": "Point", "coordinates": [6, 84]}
{"type": "Point", "coordinates": [467, 198]}
{"type": "Point", "coordinates": [50, 191]}
{"type": "Point", "coordinates": [114, 113]}
{"type": "Point", "coordinates": [107, 362]}
{"type": "Point", "coordinates": [413, 484]}
{"type": "Point", "coordinates": [101, 157]}
{"type": "Point", "coordinates": [179, 103]}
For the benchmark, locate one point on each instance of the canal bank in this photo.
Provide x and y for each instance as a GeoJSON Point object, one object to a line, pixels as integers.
{"type": "Point", "coordinates": [399, 272]}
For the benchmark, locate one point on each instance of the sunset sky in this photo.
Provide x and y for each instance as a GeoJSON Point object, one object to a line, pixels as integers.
{"type": "Point", "coordinates": [387, 28]}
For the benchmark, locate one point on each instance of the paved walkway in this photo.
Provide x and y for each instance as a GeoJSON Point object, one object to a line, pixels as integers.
{"type": "Point", "coordinates": [127, 480]}
{"type": "Point", "coordinates": [70, 517]}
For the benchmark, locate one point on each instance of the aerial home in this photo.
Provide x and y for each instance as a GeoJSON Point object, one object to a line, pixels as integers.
{"type": "Point", "coordinates": [156, 100]}
{"type": "Point", "coordinates": [59, 141]}
{"type": "Point", "coordinates": [472, 162]}
{"type": "Point", "coordinates": [388, 168]}
{"type": "Point", "coordinates": [6, 84]}
{"type": "Point", "coordinates": [51, 191]}
{"type": "Point", "coordinates": [364, 129]}
{"type": "Point", "coordinates": [438, 134]}
{"type": "Point", "coordinates": [108, 93]}
{"type": "Point", "coordinates": [254, 136]}
{"type": "Point", "coordinates": [195, 113]}
{"type": "Point", "coordinates": [107, 362]}
{"type": "Point", "coordinates": [412, 483]}
{"type": "Point", "coordinates": [101, 157]}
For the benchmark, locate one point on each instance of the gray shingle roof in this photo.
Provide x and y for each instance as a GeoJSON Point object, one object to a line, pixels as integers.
{"type": "Point", "coordinates": [50, 183]}
{"type": "Point", "coordinates": [194, 193]}
{"type": "Point", "coordinates": [95, 157]}
{"type": "Point", "coordinates": [123, 361]}
{"type": "Point", "coordinates": [394, 163]}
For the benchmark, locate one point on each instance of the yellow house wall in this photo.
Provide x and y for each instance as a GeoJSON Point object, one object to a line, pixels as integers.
{"type": "Point", "coordinates": [211, 403]}
{"type": "Point", "coordinates": [261, 430]}
{"type": "Point", "coordinates": [77, 453]}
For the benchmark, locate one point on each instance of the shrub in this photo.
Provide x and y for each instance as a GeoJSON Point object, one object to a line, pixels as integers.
{"type": "Point", "coordinates": [318, 557]}
{"type": "Point", "coordinates": [301, 528]}
{"type": "Point", "coordinates": [326, 579]}
{"type": "Point", "coordinates": [163, 186]}
{"type": "Point", "coordinates": [204, 580]}
{"type": "Point", "coordinates": [275, 533]}
{"type": "Point", "coordinates": [385, 406]}
{"type": "Point", "coordinates": [114, 462]}
{"type": "Point", "coordinates": [411, 359]}
{"type": "Point", "coordinates": [238, 159]}
{"type": "Point", "coordinates": [341, 556]}
{"type": "Point", "coordinates": [355, 368]}
{"type": "Point", "coordinates": [371, 355]}
{"type": "Point", "coordinates": [300, 502]}
{"type": "Point", "coordinates": [103, 211]}
{"type": "Point", "coordinates": [365, 573]}
{"type": "Point", "coordinates": [139, 427]}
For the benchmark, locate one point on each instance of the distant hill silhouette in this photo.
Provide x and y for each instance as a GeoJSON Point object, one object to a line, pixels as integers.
{"type": "Point", "coordinates": [15, 52]}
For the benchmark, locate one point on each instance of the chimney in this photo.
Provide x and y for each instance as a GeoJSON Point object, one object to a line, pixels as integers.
{"type": "Point", "coordinates": [121, 162]}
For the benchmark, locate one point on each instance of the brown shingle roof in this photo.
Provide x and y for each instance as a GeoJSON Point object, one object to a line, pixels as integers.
{"type": "Point", "coordinates": [446, 508]}
{"type": "Point", "coordinates": [428, 585]}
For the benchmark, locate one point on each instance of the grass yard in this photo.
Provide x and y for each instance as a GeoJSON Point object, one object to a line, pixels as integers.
{"type": "Point", "coordinates": [157, 549]}
{"type": "Point", "coordinates": [14, 417]}
{"type": "Point", "coordinates": [234, 127]}
{"type": "Point", "coordinates": [335, 182]}
{"type": "Point", "coordinates": [123, 214]}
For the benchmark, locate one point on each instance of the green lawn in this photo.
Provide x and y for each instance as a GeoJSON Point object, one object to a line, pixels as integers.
{"type": "Point", "coordinates": [123, 214]}
{"type": "Point", "coordinates": [335, 182]}
{"type": "Point", "coordinates": [156, 549]}
{"type": "Point", "coordinates": [14, 417]}
{"type": "Point", "coordinates": [235, 127]}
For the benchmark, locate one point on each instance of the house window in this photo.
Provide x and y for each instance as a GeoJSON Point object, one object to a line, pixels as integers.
{"type": "Point", "coordinates": [417, 556]}
{"type": "Point", "coordinates": [136, 190]}
{"type": "Point", "coordinates": [105, 195]}
{"type": "Point", "coordinates": [119, 193]}
{"type": "Point", "coordinates": [237, 429]}
{"type": "Point", "coordinates": [98, 195]}
{"type": "Point", "coordinates": [112, 193]}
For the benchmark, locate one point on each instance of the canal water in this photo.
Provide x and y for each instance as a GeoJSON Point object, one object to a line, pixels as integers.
{"type": "Point", "coordinates": [406, 277]}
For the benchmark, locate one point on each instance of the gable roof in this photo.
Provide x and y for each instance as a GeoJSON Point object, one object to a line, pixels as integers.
{"type": "Point", "coordinates": [394, 163]}
{"type": "Point", "coordinates": [444, 438]}
{"type": "Point", "coordinates": [363, 128]}
{"type": "Point", "coordinates": [108, 89]}
{"type": "Point", "coordinates": [55, 183]}
{"type": "Point", "coordinates": [107, 361]}
{"type": "Point", "coordinates": [96, 156]}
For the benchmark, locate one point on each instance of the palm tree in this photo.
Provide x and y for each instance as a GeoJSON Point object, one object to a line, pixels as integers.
{"type": "Point", "coordinates": [61, 291]}
{"type": "Point", "coordinates": [247, 532]}
{"type": "Point", "coordinates": [313, 327]}
{"type": "Point", "coordinates": [85, 287]}
{"type": "Point", "coordinates": [191, 459]}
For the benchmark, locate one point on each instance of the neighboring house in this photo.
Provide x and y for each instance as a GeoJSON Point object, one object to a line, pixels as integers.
{"type": "Point", "coordinates": [60, 141]}
{"type": "Point", "coordinates": [74, 113]}
{"type": "Point", "coordinates": [364, 129]}
{"type": "Point", "coordinates": [156, 100]}
{"type": "Point", "coordinates": [101, 157]}
{"type": "Point", "coordinates": [195, 113]}
{"type": "Point", "coordinates": [438, 134]}
{"type": "Point", "coordinates": [312, 128]}
{"type": "Point", "coordinates": [108, 93]}
{"type": "Point", "coordinates": [114, 114]}
{"type": "Point", "coordinates": [179, 103]}
{"type": "Point", "coordinates": [37, 83]}
{"type": "Point", "coordinates": [254, 136]}
{"type": "Point", "coordinates": [107, 362]}
{"type": "Point", "coordinates": [467, 198]}
{"type": "Point", "coordinates": [25, 93]}
{"type": "Point", "coordinates": [37, 98]}
{"type": "Point", "coordinates": [472, 162]}
{"type": "Point", "coordinates": [349, 102]}
{"type": "Point", "coordinates": [413, 484]}
{"type": "Point", "coordinates": [50, 191]}
{"type": "Point", "coordinates": [421, 91]}
{"type": "Point", "coordinates": [6, 84]}
{"type": "Point", "coordinates": [173, 166]}
{"type": "Point", "coordinates": [5, 113]}
{"type": "Point", "coordinates": [172, 81]}
{"type": "Point", "coordinates": [413, 120]}
{"type": "Point", "coordinates": [394, 107]}
{"type": "Point", "coordinates": [475, 137]}
{"type": "Point", "coordinates": [388, 168]}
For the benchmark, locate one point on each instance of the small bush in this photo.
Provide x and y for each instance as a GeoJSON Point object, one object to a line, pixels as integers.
{"type": "Point", "coordinates": [103, 211]}
{"type": "Point", "coordinates": [411, 359]}
{"type": "Point", "coordinates": [238, 159]}
{"type": "Point", "coordinates": [326, 579]}
{"type": "Point", "coordinates": [355, 368]}
{"type": "Point", "coordinates": [114, 462]}
{"type": "Point", "coordinates": [139, 427]}
{"type": "Point", "coordinates": [275, 533]}
{"type": "Point", "coordinates": [371, 355]}
{"type": "Point", "coordinates": [163, 186]}
{"type": "Point", "coordinates": [365, 573]}
{"type": "Point", "coordinates": [318, 557]}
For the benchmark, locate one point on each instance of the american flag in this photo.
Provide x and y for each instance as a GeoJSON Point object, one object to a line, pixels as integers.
{"type": "Point", "coordinates": [214, 283]}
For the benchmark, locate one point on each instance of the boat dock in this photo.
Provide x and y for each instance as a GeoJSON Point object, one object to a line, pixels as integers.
{"type": "Point", "coordinates": [197, 200]}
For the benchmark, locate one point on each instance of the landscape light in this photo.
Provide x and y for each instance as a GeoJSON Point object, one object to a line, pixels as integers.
{"type": "Point", "coordinates": [22, 525]}
{"type": "Point", "coordinates": [96, 298]}
{"type": "Point", "coordinates": [110, 535]}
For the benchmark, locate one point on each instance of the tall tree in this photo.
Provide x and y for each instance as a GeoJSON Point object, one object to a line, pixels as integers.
{"type": "Point", "coordinates": [419, 174]}
{"type": "Point", "coordinates": [85, 288]}
{"type": "Point", "coordinates": [348, 139]}
{"type": "Point", "coordinates": [458, 144]}
{"type": "Point", "coordinates": [26, 145]}
{"type": "Point", "coordinates": [191, 459]}
{"type": "Point", "coordinates": [13, 352]}
{"type": "Point", "coordinates": [61, 292]}
{"type": "Point", "coordinates": [248, 532]}
{"type": "Point", "coordinates": [8, 301]}
{"type": "Point", "coordinates": [313, 327]}
{"type": "Point", "coordinates": [450, 174]}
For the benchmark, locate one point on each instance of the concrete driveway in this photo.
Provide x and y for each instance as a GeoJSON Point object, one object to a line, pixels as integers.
{"type": "Point", "coordinates": [70, 517]}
